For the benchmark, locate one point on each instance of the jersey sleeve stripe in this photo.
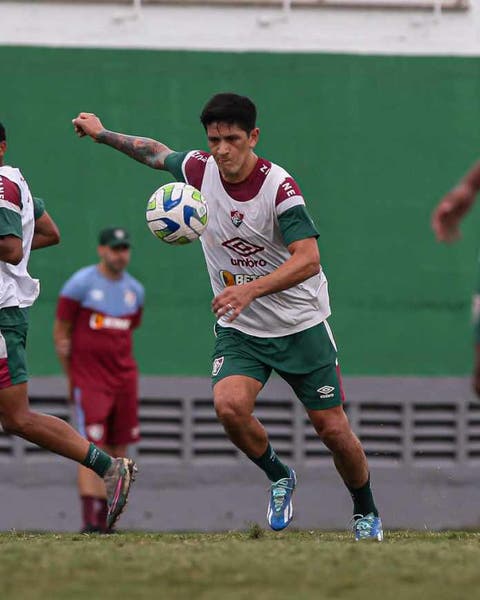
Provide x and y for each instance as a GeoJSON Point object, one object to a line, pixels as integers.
{"type": "Point", "coordinates": [184, 164]}
{"type": "Point", "coordinates": [289, 203]}
{"type": "Point", "coordinates": [10, 192]}
{"type": "Point", "coordinates": [10, 206]}
{"type": "Point", "coordinates": [193, 167]}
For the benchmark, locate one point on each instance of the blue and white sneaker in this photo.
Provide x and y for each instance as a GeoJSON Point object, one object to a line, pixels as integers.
{"type": "Point", "coordinates": [368, 527]}
{"type": "Point", "coordinates": [280, 507]}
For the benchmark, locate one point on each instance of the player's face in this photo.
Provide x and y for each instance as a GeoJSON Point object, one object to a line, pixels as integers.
{"type": "Point", "coordinates": [232, 149]}
{"type": "Point", "coordinates": [115, 259]}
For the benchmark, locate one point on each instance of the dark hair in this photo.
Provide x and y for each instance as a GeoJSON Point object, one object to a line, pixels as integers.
{"type": "Point", "coordinates": [232, 109]}
{"type": "Point", "coordinates": [3, 135]}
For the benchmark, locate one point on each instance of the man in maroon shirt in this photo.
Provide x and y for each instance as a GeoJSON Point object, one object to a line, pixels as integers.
{"type": "Point", "coordinates": [98, 308]}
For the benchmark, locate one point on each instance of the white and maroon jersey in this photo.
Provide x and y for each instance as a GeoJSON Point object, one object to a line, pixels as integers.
{"type": "Point", "coordinates": [103, 314]}
{"type": "Point", "coordinates": [17, 218]}
{"type": "Point", "coordinates": [250, 225]}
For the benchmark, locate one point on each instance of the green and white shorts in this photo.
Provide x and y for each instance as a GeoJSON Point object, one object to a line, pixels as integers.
{"type": "Point", "coordinates": [307, 360]}
{"type": "Point", "coordinates": [13, 340]}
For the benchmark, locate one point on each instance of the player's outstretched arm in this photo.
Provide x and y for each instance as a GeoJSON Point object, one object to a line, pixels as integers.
{"type": "Point", "coordinates": [145, 150]}
{"type": "Point", "coordinates": [454, 206]}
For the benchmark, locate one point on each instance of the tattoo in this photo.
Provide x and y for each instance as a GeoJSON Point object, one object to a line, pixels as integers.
{"type": "Point", "coordinates": [145, 150]}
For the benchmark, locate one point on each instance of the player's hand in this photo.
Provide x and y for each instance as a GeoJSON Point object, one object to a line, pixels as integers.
{"type": "Point", "coordinates": [448, 214]}
{"type": "Point", "coordinates": [232, 301]}
{"type": "Point", "coordinates": [444, 223]}
{"type": "Point", "coordinates": [87, 124]}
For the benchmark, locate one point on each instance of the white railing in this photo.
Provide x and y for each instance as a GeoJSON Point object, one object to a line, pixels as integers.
{"type": "Point", "coordinates": [134, 12]}
{"type": "Point", "coordinates": [286, 5]}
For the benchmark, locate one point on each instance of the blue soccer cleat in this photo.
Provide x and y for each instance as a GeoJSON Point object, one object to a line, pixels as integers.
{"type": "Point", "coordinates": [280, 507]}
{"type": "Point", "coordinates": [368, 527]}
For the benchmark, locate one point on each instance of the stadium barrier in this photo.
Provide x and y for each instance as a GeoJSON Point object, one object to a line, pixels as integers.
{"type": "Point", "coordinates": [422, 436]}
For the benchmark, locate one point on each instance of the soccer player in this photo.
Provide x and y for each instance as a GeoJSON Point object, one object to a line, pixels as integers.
{"type": "Point", "coordinates": [446, 220]}
{"type": "Point", "coordinates": [26, 226]}
{"type": "Point", "coordinates": [270, 296]}
{"type": "Point", "coordinates": [98, 308]}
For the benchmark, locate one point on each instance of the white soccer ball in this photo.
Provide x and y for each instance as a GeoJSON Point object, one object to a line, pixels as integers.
{"type": "Point", "coordinates": [177, 213]}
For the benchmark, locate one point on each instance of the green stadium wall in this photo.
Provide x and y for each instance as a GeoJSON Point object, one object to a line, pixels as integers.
{"type": "Point", "coordinates": [374, 141]}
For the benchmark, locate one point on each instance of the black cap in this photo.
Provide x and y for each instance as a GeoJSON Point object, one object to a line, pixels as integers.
{"type": "Point", "coordinates": [114, 237]}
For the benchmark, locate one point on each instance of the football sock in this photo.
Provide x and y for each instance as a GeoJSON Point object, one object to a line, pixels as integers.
{"type": "Point", "coordinates": [101, 513]}
{"type": "Point", "coordinates": [363, 502]}
{"type": "Point", "coordinates": [271, 464]}
{"type": "Point", "coordinates": [89, 514]}
{"type": "Point", "coordinates": [97, 460]}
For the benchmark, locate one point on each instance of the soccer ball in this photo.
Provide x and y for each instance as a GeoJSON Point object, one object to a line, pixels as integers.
{"type": "Point", "coordinates": [177, 213]}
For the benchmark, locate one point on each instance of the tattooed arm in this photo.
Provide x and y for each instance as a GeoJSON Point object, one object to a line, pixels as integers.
{"type": "Point", "coordinates": [145, 150]}
{"type": "Point", "coordinates": [449, 213]}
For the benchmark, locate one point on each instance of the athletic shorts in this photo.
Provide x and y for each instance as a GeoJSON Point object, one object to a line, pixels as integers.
{"type": "Point", "coordinates": [13, 340]}
{"type": "Point", "coordinates": [107, 417]}
{"type": "Point", "coordinates": [306, 360]}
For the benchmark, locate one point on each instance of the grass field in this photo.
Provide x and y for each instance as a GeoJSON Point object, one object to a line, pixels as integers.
{"type": "Point", "coordinates": [251, 565]}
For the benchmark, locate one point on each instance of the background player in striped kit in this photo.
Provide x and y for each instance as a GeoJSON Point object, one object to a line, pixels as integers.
{"type": "Point", "coordinates": [261, 239]}
{"type": "Point", "coordinates": [98, 309]}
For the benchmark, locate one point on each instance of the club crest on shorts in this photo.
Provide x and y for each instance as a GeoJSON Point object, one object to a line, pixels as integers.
{"type": "Point", "coordinates": [217, 365]}
{"type": "Point", "coordinates": [237, 217]}
{"type": "Point", "coordinates": [95, 432]}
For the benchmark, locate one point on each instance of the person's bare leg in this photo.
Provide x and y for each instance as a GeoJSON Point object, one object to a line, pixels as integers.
{"type": "Point", "coordinates": [334, 430]}
{"type": "Point", "coordinates": [57, 436]}
{"type": "Point", "coordinates": [234, 399]}
{"type": "Point", "coordinates": [46, 431]}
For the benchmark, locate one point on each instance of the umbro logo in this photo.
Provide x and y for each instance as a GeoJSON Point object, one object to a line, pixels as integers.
{"type": "Point", "coordinates": [326, 391]}
{"type": "Point", "coordinates": [242, 247]}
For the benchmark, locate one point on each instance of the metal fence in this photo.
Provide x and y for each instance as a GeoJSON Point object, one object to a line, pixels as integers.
{"type": "Point", "coordinates": [400, 422]}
